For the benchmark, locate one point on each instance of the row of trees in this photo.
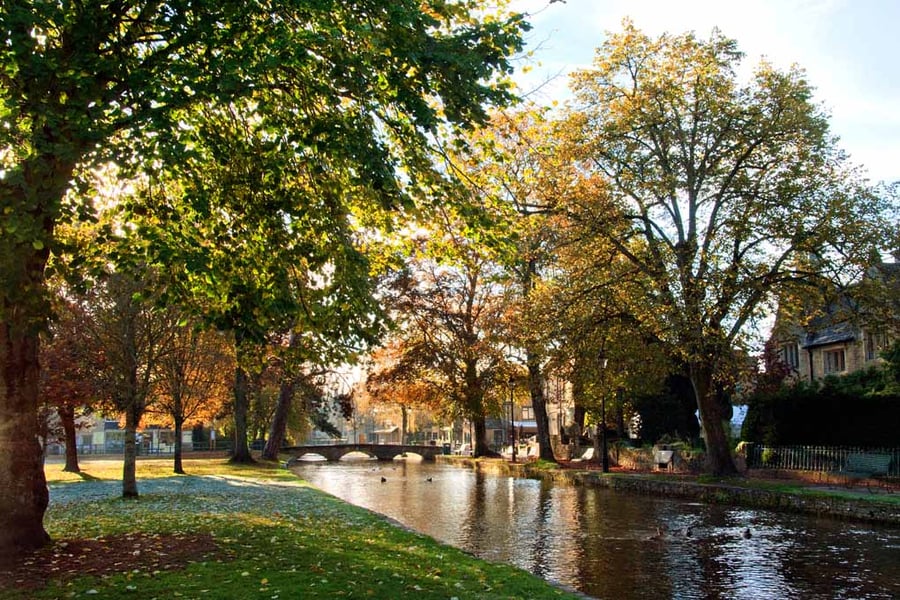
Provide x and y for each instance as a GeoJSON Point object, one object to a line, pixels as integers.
{"type": "Point", "coordinates": [275, 164]}
{"type": "Point", "coordinates": [259, 147]}
{"type": "Point", "coordinates": [113, 350]}
{"type": "Point", "coordinates": [658, 219]}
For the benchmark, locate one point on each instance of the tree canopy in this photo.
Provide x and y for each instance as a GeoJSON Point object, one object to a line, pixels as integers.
{"type": "Point", "coordinates": [710, 188]}
{"type": "Point", "coordinates": [366, 81]}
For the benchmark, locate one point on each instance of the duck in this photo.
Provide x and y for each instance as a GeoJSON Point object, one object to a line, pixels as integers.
{"type": "Point", "coordinates": [747, 535]}
{"type": "Point", "coordinates": [383, 479]}
{"type": "Point", "coordinates": [428, 479]}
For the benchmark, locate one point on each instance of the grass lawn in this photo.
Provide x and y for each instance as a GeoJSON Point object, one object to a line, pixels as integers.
{"type": "Point", "coordinates": [876, 495]}
{"type": "Point", "coordinates": [226, 531]}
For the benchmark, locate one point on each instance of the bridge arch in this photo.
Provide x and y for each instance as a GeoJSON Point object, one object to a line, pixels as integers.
{"type": "Point", "coordinates": [410, 456]}
{"type": "Point", "coordinates": [383, 452]}
{"type": "Point", "coordinates": [354, 454]}
{"type": "Point", "coordinates": [309, 456]}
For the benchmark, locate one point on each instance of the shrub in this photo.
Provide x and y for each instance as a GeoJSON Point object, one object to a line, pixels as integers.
{"type": "Point", "coordinates": [849, 411]}
{"type": "Point", "coordinates": [671, 413]}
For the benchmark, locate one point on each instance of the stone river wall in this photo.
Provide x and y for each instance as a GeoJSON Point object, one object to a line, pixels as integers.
{"type": "Point", "coordinates": [821, 503]}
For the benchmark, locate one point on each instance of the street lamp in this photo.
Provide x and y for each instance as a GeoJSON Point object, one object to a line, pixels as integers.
{"type": "Point", "coordinates": [512, 422]}
{"type": "Point", "coordinates": [604, 455]}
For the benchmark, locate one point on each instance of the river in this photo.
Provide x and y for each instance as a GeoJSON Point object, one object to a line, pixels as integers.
{"type": "Point", "coordinates": [618, 546]}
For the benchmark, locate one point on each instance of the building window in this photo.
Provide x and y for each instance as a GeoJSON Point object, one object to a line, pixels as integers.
{"type": "Point", "coordinates": [527, 413]}
{"type": "Point", "coordinates": [834, 361]}
{"type": "Point", "coordinates": [876, 341]}
{"type": "Point", "coordinates": [790, 356]}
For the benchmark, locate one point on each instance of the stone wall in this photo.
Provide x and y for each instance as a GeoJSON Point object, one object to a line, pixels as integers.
{"type": "Point", "coordinates": [687, 487]}
{"type": "Point", "coordinates": [642, 459]}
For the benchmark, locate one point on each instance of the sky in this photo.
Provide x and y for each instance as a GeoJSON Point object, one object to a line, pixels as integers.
{"type": "Point", "coordinates": [850, 50]}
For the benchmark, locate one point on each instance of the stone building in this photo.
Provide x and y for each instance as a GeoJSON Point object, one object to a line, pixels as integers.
{"type": "Point", "coordinates": [847, 336]}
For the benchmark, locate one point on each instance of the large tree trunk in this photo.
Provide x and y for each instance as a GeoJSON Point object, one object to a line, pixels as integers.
{"type": "Point", "coordinates": [129, 464]}
{"type": "Point", "coordinates": [539, 405]}
{"type": "Point", "coordinates": [241, 451]}
{"type": "Point", "coordinates": [579, 413]}
{"type": "Point", "coordinates": [25, 496]}
{"type": "Point", "coordinates": [279, 421]}
{"type": "Point", "coordinates": [178, 420]}
{"type": "Point", "coordinates": [67, 418]}
{"type": "Point", "coordinates": [33, 193]}
{"type": "Point", "coordinates": [480, 445]}
{"type": "Point", "coordinates": [474, 403]}
{"type": "Point", "coordinates": [718, 454]}
{"type": "Point", "coordinates": [535, 377]}
{"type": "Point", "coordinates": [179, 446]}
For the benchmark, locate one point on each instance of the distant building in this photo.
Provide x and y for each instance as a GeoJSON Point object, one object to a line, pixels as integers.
{"type": "Point", "coordinates": [106, 436]}
{"type": "Point", "coordinates": [846, 337]}
{"type": "Point", "coordinates": [386, 435]}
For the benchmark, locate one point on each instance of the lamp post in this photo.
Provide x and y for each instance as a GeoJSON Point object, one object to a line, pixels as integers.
{"type": "Point", "coordinates": [604, 455]}
{"type": "Point", "coordinates": [512, 422]}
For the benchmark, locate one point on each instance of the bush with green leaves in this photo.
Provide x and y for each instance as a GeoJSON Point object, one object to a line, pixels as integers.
{"type": "Point", "coordinates": [859, 409]}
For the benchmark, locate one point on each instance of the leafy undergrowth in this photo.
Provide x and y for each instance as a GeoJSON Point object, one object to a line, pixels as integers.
{"type": "Point", "coordinates": [543, 465]}
{"type": "Point", "coordinates": [244, 532]}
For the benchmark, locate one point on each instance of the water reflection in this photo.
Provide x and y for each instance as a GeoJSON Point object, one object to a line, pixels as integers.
{"type": "Point", "coordinates": [611, 545]}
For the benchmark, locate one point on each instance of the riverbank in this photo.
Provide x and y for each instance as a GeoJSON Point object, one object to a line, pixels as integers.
{"type": "Point", "coordinates": [227, 531]}
{"type": "Point", "coordinates": [867, 504]}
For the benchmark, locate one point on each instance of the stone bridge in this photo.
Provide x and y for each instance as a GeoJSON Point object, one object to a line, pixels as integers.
{"type": "Point", "coordinates": [379, 451]}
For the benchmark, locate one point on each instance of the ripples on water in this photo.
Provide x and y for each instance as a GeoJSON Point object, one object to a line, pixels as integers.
{"type": "Point", "coordinates": [614, 545]}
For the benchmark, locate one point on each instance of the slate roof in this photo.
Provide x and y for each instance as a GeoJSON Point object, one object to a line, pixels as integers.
{"type": "Point", "coordinates": [833, 334]}
{"type": "Point", "coordinates": [840, 321]}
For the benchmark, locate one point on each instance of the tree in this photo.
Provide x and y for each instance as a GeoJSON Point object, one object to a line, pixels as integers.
{"type": "Point", "coordinates": [278, 426]}
{"type": "Point", "coordinates": [266, 246]}
{"type": "Point", "coordinates": [450, 303]}
{"type": "Point", "coordinates": [297, 368]}
{"type": "Point", "coordinates": [93, 81]}
{"type": "Point", "coordinates": [891, 357]}
{"type": "Point", "coordinates": [133, 333]}
{"type": "Point", "coordinates": [712, 187]}
{"type": "Point", "coordinates": [513, 171]}
{"type": "Point", "coordinates": [68, 362]}
{"type": "Point", "coordinates": [190, 382]}
{"type": "Point", "coordinates": [399, 376]}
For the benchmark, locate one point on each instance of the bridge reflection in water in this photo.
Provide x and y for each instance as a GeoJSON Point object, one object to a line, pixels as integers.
{"type": "Point", "coordinates": [333, 452]}
{"type": "Point", "coordinates": [608, 544]}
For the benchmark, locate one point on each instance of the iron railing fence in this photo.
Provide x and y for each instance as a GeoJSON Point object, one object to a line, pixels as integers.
{"type": "Point", "coordinates": [143, 450]}
{"type": "Point", "coordinates": [826, 459]}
